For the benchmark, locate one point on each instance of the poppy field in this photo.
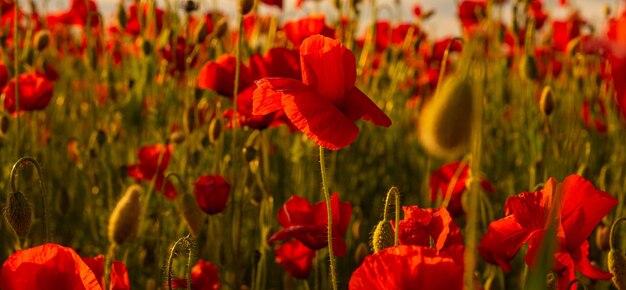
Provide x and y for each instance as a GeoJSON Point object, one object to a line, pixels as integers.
{"type": "Point", "coordinates": [179, 147]}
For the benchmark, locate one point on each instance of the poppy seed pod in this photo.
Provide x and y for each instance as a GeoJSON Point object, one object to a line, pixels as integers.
{"type": "Point", "coordinates": [546, 102]}
{"type": "Point", "coordinates": [201, 32]}
{"type": "Point", "coordinates": [245, 6]}
{"type": "Point", "coordinates": [18, 214]}
{"type": "Point", "coordinates": [192, 214]}
{"type": "Point", "coordinates": [360, 253]}
{"type": "Point", "coordinates": [383, 236]}
{"type": "Point", "coordinates": [617, 267]}
{"type": "Point", "coordinates": [445, 123]}
{"type": "Point", "coordinates": [124, 220]}
{"type": "Point", "coordinates": [528, 68]}
{"type": "Point", "coordinates": [42, 39]}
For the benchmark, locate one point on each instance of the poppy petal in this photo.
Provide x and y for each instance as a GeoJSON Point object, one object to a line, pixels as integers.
{"type": "Point", "coordinates": [584, 266]}
{"type": "Point", "coordinates": [360, 106]}
{"type": "Point", "coordinates": [319, 119]}
{"type": "Point", "coordinates": [266, 98]}
{"type": "Point", "coordinates": [579, 220]}
{"type": "Point", "coordinates": [504, 238]}
{"type": "Point", "coordinates": [328, 66]}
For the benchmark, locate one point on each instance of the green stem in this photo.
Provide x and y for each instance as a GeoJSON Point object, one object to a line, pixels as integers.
{"type": "Point", "coordinates": [331, 256]}
{"type": "Point", "coordinates": [42, 187]}
{"type": "Point", "coordinates": [108, 261]}
{"type": "Point", "coordinates": [17, 74]}
{"type": "Point", "coordinates": [444, 61]}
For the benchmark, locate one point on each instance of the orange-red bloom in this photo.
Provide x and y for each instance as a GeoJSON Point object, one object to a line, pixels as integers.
{"type": "Point", "coordinates": [326, 103]}
{"type": "Point", "coordinates": [204, 276]}
{"type": "Point", "coordinates": [295, 258]}
{"type": "Point", "coordinates": [578, 207]}
{"type": "Point", "coordinates": [153, 160]}
{"type": "Point", "coordinates": [211, 192]}
{"type": "Point", "coordinates": [55, 267]}
{"type": "Point", "coordinates": [35, 93]}
{"type": "Point", "coordinates": [77, 14]}
{"type": "Point", "coordinates": [308, 223]}
{"type": "Point", "coordinates": [410, 267]}
{"type": "Point", "coordinates": [441, 180]}
{"type": "Point", "coordinates": [219, 76]}
{"type": "Point", "coordinates": [298, 30]}
{"type": "Point", "coordinates": [421, 226]}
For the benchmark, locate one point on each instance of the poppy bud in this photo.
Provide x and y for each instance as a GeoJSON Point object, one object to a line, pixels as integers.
{"type": "Point", "coordinates": [122, 19]}
{"type": "Point", "coordinates": [445, 123]}
{"type": "Point", "coordinates": [124, 220]}
{"type": "Point", "coordinates": [101, 137]}
{"type": "Point", "coordinates": [201, 32]}
{"type": "Point", "coordinates": [360, 253]}
{"type": "Point", "coordinates": [191, 213]}
{"type": "Point", "coordinates": [573, 45]}
{"type": "Point", "coordinates": [144, 45]}
{"type": "Point", "coordinates": [221, 27]}
{"type": "Point", "coordinates": [18, 214]}
{"type": "Point", "coordinates": [4, 124]}
{"type": "Point", "coordinates": [250, 153]}
{"type": "Point", "coordinates": [383, 236]}
{"type": "Point", "coordinates": [42, 39]}
{"type": "Point", "coordinates": [617, 267]}
{"type": "Point", "coordinates": [547, 101]}
{"type": "Point", "coordinates": [602, 238]}
{"type": "Point", "coordinates": [551, 281]}
{"type": "Point", "coordinates": [190, 6]}
{"type": "Point", "coordinates": [528, 68]}
{"type": "Point", "coordinates": [245, 6]}
{"type": "Point", "coordinates": [215, 129]}
{"type": "Point", "coordinates": [177, 137]}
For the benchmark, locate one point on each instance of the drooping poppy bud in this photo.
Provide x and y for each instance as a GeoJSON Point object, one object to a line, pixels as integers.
{"type": "Point", "coordinates": [245, 6]}
{"type": "Point", "coordinates": [383, 236]}
{"type": "Point", "coordinates": [215, 129]}
{"type": "Point", "coordinates": [191, 213]}
{"type": "Point", "coordinates": [18, 213]}
{"type": "Point", "coordinates": [528, 68]}
{"type": "Point", "coordinates": [546, 103]}
{"type": "Point", "coordinates": [445, 124]}
{"type": "Point", "coordinates": [617, 267]}
{"type": "Point", "coordinates": [122, 19]}
{"type": "Point", "coordinates": [124, 220]}
{"type": "Point", "coordinates": [201, 32]}
{"type": "Point", "coordinates": [42, 39]}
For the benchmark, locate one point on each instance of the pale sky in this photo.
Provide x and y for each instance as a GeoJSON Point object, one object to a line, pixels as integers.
{"type": "Point", "coordinates": [443, 23]}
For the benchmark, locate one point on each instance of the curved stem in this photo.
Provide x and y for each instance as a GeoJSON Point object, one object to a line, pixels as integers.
{"type": "Point", "coordinates": [444, 61]}
{"type": "Point", "coordinates": [331, 255]}
{"type": "Point", "coordinates": [42, 187]}
{"type": "Point", "coordinates": [177, 176]}
{"type": "Point", "coordinates": [393, 191]}
{"type": "Point", "coordinates": [613, 236]}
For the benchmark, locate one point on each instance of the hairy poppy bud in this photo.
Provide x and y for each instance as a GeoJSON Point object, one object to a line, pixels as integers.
{"type": "Point", "coordinates": [360, 253]}
{"type": "Point", "coordinates": [144, 45]}
{"type": "Point", "coordinates": [445, 123]}
{"type": "Point", "coordinates": [124, 220]}
{"type": "Point", "coordinates": [215, 129]}
{"type": "Point", "coordinates": [221, 27]}
{"type": "Point", "coordinates": [177, 137]}
{"type": "Point", "coordinates": [547, 101]}
{"type": "Point", "coordinates": [528, 67]}
{"type": "Point", "coordinates": [42, 39]}
{"type": "Point", "coordinates": [192, 214]}
{"type": "Point", "coordinates": [617, 267]}
{"type": "Point", "coordinates": [18, 214]}
{"type": "Point", "coordinates": [245, 6]}
{"type": "Point", "coordinates": [201, 32]}
{"type": "Point", "coordinates": [122, 19]}
{"type": "Point", "coordinates": [383, 236]}
{"type": "Point", "coordinates": [190, 6]}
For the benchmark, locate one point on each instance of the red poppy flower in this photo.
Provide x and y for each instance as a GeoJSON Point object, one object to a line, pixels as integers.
{"type": "Point", "coordinates": [219, 76]}
{"type": "Point", "coordinates": [77, 14]}
{"type": "Point", "coordinates": [308, 223]}
{"type": "Point", "coordinates": [471, 12]}
{"type": "Point", "coordinates": [420, 226]}
{"type": "Point", "coordinates": [52, 266]}
{"type": "Point", "coordinates": [326, 103]}
{"type": "Point", "coordinates": [149, 166]}
{"type": "Point", "coordinates": [247, 119]}
{"type": "Point", "coordinates": [566, 30]}
{"type": "Point", "coordinates": [204, 276]}
{"type": "Point", "coordinates": [536, 12]}
{"type": "Point", "coordinates": [8, 13]}
{"type": "Point", "coordinates": [4, 75]}
{"type": "Point", "coordinates": [440, 182]}
{"type": "Point", "coordinates": [119, 274]}
{"type": "Point", "coordinates": [211, 192]}
{"type": "Point", "coordinates": [277, 62]}
{"type": "Point", "coordinates": [409, 267]}
{"type": "Point", "coordinates": [295, 258]}
{"type": "Point", "coordinates": [578, 206]}
{"type": "Point", "coordinates": [133, 23]}
{"type": "Point", "coordinates": [35, 93]}
{"type": "Point", "coordinates": [616, 35]}
{"type": "Point", "coordinates": [298, 30]}
{"type": "Point", "coordinates": [599, 115]}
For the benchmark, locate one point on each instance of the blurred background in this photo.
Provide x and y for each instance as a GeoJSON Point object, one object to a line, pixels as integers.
{"type": "Point", "coordinates": [443, 23]}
